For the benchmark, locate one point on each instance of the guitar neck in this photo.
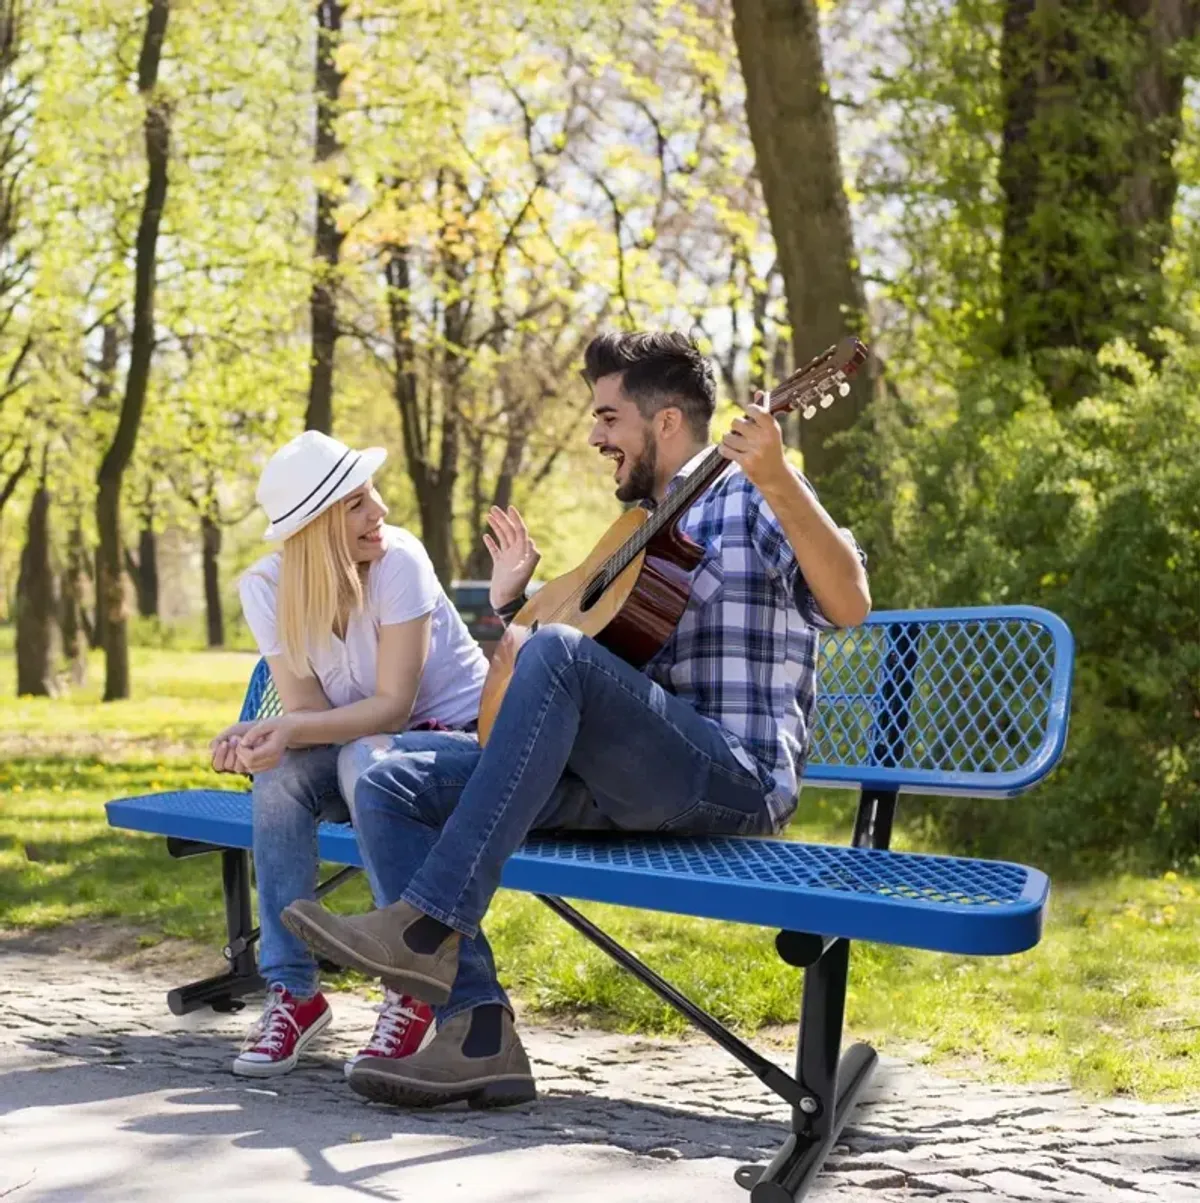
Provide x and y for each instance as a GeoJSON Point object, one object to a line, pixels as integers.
{"type": "Point", "coordinates": [678, 502]}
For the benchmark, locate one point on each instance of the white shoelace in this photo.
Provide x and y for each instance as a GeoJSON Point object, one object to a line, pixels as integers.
{"type": "Point", "coordinates": [270, 1030]}
{"type": "Point", "coordinates": [394, 1020]}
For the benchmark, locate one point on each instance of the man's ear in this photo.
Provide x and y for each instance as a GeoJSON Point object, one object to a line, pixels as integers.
{"type": "Point", "coordinates": [669, 420]}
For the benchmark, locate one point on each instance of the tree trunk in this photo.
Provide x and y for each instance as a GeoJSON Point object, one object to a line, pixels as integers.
{"type": "Point", "coordinates": [437, 532]}
{"type": "Point", "coordinates": [323, 299]}
{"type": "Point", "coordinates": [36, 604]}
{"type": "Point", "coordinates": [110, 352]}
{"type": "Point", "coordinates": [1092, 115]}
{"type": "Point", "coordinates": [433, 483]}
{"type": "Point", "coordinates": [96, 633]}
{"type": "Point", "coordinates": [110, 592]}
{"type": "Point", "coordinates": [478, 564]}
{"type": "Point", "coordinates": [141, 349]}
{"type": "Point", "coordinates": [210, 536]}
{"type": "Point", "coordinates": [143, 570]}
{"type": "Point", "coordinates": [792, 126]}
{"type": "Point", "coordinates": [73, 620]}
{"type": "Point", "coordinates": [19, 84]}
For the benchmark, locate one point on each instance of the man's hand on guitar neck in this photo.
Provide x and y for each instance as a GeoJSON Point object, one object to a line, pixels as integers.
{"type": "Point", "coordinates": [755, 443]}
{"type": "Point", "coordinates": [514, 555]}
{"type": "Point", "coordinates": [826, 558]}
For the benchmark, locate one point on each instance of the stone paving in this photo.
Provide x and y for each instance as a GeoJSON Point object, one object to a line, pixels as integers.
{"type": "Point", "coordinates": [105, 1096]}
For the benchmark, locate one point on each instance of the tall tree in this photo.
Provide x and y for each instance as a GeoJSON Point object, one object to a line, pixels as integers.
{"type": "Point", "coordinates": [791, 118]}
{"type": "Point", "coordinates": [142, 566]}
{"type": "Point", "coordinates": [156, 130]}
{"type": "Point", "coordinates": [1092, 112]}
{"type": "Point", "coordinates": [16, 244]}
{"type": "Point", "coordinates": [72, 614]}
{"type": "Point", "coordinates": [211, 536]}
{"type": "Point", "coordinates": [105, 381]}
{"type": "Point", "coordinates": [36, 605]}
{"type": "Point", "coordinates": [323, 301]}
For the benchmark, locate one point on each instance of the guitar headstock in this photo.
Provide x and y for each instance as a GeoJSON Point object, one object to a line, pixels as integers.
{"type": "Point", "coordinates": [821, 381]}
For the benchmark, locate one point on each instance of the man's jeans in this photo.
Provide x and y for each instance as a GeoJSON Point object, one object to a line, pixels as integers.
{"type": "Point", "coordinates": [583, 741]}
{"type": "Point", "coordinates": [308, 786]}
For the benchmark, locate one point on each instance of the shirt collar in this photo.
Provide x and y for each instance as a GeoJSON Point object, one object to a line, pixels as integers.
{"type": "Point", "coordinates": [684, 472]}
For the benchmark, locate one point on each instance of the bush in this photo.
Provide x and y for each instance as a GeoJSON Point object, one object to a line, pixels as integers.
{"type": "Point", "coordinates": [1094, 512]}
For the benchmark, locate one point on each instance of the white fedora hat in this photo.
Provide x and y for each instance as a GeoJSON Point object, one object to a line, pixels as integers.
{"type": "Point", "coordinates": [308, 475]}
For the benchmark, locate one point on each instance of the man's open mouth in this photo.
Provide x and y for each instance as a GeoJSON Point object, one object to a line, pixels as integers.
{"type": "Point", "coordinates": [613, 454]}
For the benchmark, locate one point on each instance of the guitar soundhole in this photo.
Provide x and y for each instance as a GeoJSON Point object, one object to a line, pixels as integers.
{"type": "Point", "coordinates": [593, 593]}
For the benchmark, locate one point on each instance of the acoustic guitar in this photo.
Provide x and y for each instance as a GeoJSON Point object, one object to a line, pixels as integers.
{"type": "Point", "coordinates": [631, 591]}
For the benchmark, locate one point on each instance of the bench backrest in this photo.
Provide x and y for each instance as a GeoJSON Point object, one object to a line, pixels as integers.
{"type": "Point", "coordinates": [968, 701]}
{"type": "Point", "coordinates": [965, 701]}
{"type": "Point", "coordinates": [261, 700]}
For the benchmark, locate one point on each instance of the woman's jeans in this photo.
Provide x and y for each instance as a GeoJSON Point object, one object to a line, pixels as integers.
{"type": "Point", "coordinates": [290, 801]}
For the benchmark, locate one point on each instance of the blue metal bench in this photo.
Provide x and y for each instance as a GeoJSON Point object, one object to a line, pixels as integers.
{"type": "Point", "coordinates": [947, 702]}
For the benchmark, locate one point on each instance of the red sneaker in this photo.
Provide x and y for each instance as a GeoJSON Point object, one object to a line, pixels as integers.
{"type": "Point", "coordinates": [404, 1025]}
{"type": "Point", "coordinates": [285, 1029]}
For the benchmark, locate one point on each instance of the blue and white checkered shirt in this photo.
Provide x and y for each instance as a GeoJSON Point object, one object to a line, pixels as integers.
{"type": "Point", "coordinates": [745, 651]}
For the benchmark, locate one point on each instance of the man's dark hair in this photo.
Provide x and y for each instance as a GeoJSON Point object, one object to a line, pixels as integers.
{"type": "Point", "coordinates": [657, 370]}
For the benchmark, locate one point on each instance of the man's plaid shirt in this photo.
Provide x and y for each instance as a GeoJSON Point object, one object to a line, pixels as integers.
{"type": "Point", "coordinates": [745, 651]}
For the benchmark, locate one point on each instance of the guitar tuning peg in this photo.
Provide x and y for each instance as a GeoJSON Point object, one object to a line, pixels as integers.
{"type": "Point", "coordinates": [826, 400]}
{"type": "Point", "coordinates": [809, 410]}
{"type": "Point", "coordinates": [844, 389]}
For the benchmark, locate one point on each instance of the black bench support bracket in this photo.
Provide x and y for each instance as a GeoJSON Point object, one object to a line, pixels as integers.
{"type": "Point", "coordinates": [225, 991]}
{"type": "Point", "coordinates": [768, 1073]}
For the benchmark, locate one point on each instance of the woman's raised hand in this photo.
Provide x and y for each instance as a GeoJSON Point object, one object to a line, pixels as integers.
{"type": "Point", "coordinates": [514, 555]}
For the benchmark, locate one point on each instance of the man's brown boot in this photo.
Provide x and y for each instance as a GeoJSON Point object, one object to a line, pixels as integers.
{"type": "Point", "coordinates": [476, 1057]}
{"type": "Point", "coordinates": [376, 944]}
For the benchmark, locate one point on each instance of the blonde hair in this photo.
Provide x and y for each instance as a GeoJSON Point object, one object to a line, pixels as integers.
{"type": "Point", "coordinates": [319, 587]}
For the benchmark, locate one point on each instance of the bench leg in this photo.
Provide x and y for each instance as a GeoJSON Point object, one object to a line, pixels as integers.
{"type": "Point", "coordinates": [823, 1092]}
{"type": "Point", "coordinates": [831, 1084]}
{"type": "Point", "coordinates": [225, 991]}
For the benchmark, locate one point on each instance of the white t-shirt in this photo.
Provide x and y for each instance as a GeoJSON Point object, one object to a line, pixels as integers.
{"type": "Point", "coordinates": [400, 586]}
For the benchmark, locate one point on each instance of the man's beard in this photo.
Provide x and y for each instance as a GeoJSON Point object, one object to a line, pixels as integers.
{"type": "Point", "coordinates": [640, 482]}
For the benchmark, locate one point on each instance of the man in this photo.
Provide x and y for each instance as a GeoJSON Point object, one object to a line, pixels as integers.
{"type": "Point", "coordinates": [709, 738]}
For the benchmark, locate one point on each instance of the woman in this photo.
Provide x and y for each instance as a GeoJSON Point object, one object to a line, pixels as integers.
{"type": "Point", "coordinates": [362, 642]}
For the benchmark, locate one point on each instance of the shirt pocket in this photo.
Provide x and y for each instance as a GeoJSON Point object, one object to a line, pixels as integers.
{"type": "Point", "coordinates": [708, 582]}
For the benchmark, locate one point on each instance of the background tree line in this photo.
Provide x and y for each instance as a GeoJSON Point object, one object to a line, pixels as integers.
{"type": "Point", "coordinates": [402, 222]}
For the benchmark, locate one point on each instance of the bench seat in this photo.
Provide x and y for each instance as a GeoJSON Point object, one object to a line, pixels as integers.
{"type": "Point", "coordinates": [942, 903]}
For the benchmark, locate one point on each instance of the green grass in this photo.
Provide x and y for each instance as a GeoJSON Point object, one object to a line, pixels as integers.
{"type": "Point", "coordinates": [1108, 1002]}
